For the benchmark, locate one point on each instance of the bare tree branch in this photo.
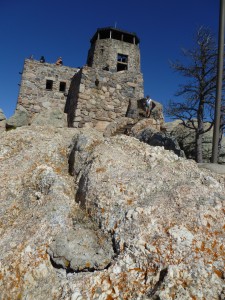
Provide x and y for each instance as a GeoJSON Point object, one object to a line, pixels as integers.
{"type": "Point", "coordinates": [198, 95]}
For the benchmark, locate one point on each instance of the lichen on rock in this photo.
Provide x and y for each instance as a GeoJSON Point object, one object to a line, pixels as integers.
{"type": "Point", "coordinates": [90, 217]}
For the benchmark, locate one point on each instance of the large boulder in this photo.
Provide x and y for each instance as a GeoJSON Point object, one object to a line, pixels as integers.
{"type": "Point", "coordinates": [50, 117]}
{"type": "Point", "coordinates": [2, 121]}
{"type": "Point", "coordinates": [165, 215]}
{"type": "Point", "coordinates": [20, 118]}
{"type": "Point", "coordinates": [214, 167]}
{"type": "Point", "coordinates": [153, 137]}
{"type": "Point", "coordinates": [186, 140]}
{"type": "Point", "coordinates": [35, 206]}
{"type": "Point", "coordinates": [88, 217]}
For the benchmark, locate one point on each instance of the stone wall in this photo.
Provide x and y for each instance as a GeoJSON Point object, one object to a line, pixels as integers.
{"type": "Point", "coordinates": [104, 52]}
{"type": "Point", "coordinates": [72, 99]}
{"type": "Point", "coordinates": [34, 96]}
{"type": "Point", "coordinates": [102, 97]}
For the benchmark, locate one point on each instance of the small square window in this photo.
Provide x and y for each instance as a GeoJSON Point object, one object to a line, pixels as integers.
{"type": "Point", "coordinates": [122, 58]}
{"type": "Point", "coordinates": [122, 62]}
{"type": "Point", "coordinates": [49, 84]}
{"type": "Point", "coordinates": [62, 87]}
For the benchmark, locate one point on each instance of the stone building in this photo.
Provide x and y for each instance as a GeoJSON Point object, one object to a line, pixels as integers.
{"type": "Point", "coordinates": [102, 90]}
{"type": "Point", "coordinates": [44, 86]}
{"type": "Point", "coordinates": [108, 87]}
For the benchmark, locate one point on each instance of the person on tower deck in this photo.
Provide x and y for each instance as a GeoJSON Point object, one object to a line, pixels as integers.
{"type": "Point", "coordinates": [59, 61]}
{"type": "Point", "coordinates": [149, 105]}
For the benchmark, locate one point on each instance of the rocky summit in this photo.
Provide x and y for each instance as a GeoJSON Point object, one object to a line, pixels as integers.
{"type": "Point", "coordinates": [85, 216]}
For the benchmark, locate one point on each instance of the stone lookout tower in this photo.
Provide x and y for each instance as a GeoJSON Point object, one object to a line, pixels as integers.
{"type": "Point", "coordinates": [114, 49]}
{"type": "Point", "coordinates": [104, 88]}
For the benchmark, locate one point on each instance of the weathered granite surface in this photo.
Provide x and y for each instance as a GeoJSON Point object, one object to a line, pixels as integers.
{"type": "Point", "coordinates": [186, 140]}
{"type": "Point", "coordinates": [161, 214]}
{"type": "Point", "coordinates": [152, 137]}
{"type": "Point", "coordinates": [51, 117]}
{"type": "Point", "coordinates": [2, 121]}
{"type": "Point", "coordinates": [217, 168]}
{"type": "Point", "coordinates": [20, 118]}
{"type": "Point", "coordinates": [36, 198]}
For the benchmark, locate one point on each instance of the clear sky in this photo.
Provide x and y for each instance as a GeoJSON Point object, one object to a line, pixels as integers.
{"type": "Point", "coordinates": [64, 28]}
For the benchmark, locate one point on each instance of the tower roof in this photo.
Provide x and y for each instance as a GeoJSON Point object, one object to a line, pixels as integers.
{"type": "Point", "coordinates": [117, 34]}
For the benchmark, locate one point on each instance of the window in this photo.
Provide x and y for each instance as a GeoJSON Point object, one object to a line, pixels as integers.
{"type": "Point", "coordinates": [62, 86]}
{"type": "Point", "coordinates": [122, 62]}
{"type": "Point", "coordinates": [49, 84]}
{"type": "Point", "coordinates": [102, 50]}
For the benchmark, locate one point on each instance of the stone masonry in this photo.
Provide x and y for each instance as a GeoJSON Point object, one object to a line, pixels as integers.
{"type": "Point", "coordinates": [102, 96]}
{"type": "Point", "coordinates": [114, 48]}
{"type": "Point", "coordinates": [107, 88]}
{"type": "Point", "coordinates": [41, 84]}
{"type": "Point", "coordinates": [109, 82]}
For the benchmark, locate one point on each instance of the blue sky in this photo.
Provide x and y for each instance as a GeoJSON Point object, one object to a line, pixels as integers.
{"type": "Point", "coordinates": [64, 28]}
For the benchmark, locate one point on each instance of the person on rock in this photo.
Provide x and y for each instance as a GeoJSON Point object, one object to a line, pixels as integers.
{"type": "Point", "coordinates": [148, 106]}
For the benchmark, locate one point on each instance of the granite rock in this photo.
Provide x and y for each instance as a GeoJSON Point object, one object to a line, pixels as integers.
{"type": "Point", "coordinates": [20, 118]}
{"type": "Point", "coordinates": [186, 140]}
{"type": "Point", "coordinates": [162, 216]}
{"type": "Point", "coordinates": [50, 117]}
{"type": "Point", "coordinates": [158, 138]}
{"type": "Point", "coordinates": [2, 121]}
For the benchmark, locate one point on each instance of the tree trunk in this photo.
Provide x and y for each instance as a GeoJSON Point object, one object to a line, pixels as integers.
{"type": "Point", "coordinates": [220, 139]}
{"type": "Point", "coordinates": [198, 148]}
{"type": "Point", "coordinates": [200, 130]}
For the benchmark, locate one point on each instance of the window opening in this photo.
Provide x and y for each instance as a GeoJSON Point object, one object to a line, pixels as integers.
{"type": "Point", "coordinates": [49, 84]}
{"type": "Point", "coordinates": [62, 86]}
{"type": "Point", "coordinates": [102, 50]}
{"type": "Point", "coordinates": [122, 62]}
{"type": "Point", "coordinates": [104, 35]}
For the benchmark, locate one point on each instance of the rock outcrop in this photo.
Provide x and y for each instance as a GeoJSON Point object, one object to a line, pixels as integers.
{"type": "Point", "coordinates": [50, 117]}
{"type": "Point", "coordinates": [153, 137]}
{"type": "Point", "coordinates": [20, 118]}
{"type": "Point", "coordinates": [88, 217]}
{"type": "Point", "coordinates": [186, 140]}
{"type": "Point", "coordinates": [36, 198]}
{"type": "Point", "coordinates": [2, 121]}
